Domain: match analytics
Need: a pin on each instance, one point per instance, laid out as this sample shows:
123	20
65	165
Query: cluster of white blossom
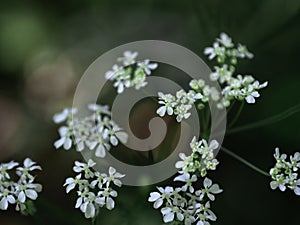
224	49
285	173
239	87
178	105
184	204
20	192
94	189
94	132
131	73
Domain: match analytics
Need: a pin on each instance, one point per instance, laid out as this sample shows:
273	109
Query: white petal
22	197
250	99
70	187
207	182
213	144
110	204
158	203
274	185
154	196
122	136
11	199
169	217
60	117
59	142
297	191
31	194
100	151
68	144
90	211
3	204
170	111
161	111
113	140
78	203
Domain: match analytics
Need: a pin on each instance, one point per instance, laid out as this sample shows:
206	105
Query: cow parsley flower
94	132
284	174
179	105
186	204
128	58
132	73
94	189
20	192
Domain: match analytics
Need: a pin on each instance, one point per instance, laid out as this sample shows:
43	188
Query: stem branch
237	157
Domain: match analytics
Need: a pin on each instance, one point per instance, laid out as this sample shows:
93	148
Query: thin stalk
244	161
267	121
237	114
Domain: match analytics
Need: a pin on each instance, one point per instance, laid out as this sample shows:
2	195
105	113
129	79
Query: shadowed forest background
45	46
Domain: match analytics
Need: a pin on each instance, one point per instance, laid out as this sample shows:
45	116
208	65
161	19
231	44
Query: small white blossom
147	66
95	191
284	172
128	58
21	191
209	190
94	132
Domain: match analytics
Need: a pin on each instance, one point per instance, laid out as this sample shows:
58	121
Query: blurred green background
45	46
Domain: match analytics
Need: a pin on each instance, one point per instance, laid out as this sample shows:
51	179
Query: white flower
147	66
92	193
188	179
28	166
4	167
6	197
27	190
158	197
64	140
115	72
187	162
71	183
283	173
64	115
105	198
99	109
209	190
214	51
170	212
225	40
85	167
168	102
114	177
128	58
243	52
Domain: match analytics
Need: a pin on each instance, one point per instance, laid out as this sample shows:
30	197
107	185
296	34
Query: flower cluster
20	192
185	204
284	174
239	87
178	105
201	160
131	73
224	49
94	189
94	132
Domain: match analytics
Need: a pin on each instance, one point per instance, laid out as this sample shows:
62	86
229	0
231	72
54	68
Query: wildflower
94	132
284	174
96	190
128	58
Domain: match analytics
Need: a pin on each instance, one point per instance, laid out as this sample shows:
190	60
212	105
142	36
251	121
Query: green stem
237	114
237	157
270	120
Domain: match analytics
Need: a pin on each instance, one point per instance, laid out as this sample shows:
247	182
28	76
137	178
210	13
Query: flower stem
237	114
267	121
237	157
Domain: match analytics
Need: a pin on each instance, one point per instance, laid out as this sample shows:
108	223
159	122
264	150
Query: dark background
45	46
